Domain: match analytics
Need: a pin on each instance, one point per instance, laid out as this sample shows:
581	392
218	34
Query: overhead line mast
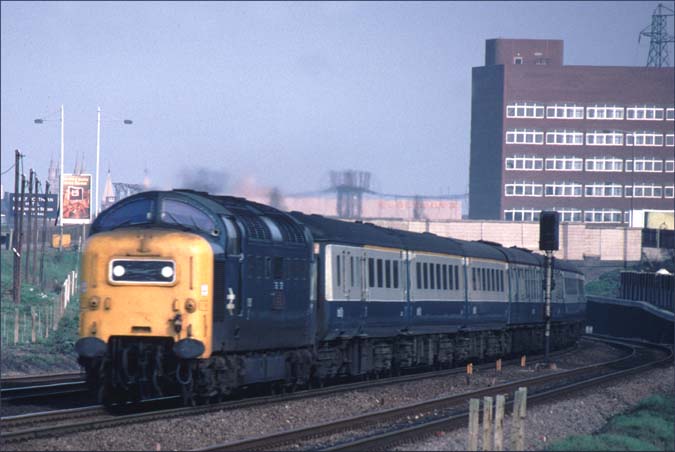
658	36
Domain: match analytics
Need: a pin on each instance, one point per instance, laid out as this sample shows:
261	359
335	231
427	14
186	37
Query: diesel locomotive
183	292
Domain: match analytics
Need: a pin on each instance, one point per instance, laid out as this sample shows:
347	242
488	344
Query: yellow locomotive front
145	310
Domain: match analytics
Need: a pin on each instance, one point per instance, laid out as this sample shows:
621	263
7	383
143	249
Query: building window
645	113
564	137
670	166
524	136
521	215
569	215
668	191
604	112
604	138
517	60
644	165
644	139
570	189
644	191
605	164
564	164
670	139
602	216
565	111
523	189
603	191
525	110
524	163
670	114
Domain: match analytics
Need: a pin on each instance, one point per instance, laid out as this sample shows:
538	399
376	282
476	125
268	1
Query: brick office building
592	142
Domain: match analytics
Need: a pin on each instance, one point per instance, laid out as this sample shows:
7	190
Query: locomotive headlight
190	305
118	271
167	272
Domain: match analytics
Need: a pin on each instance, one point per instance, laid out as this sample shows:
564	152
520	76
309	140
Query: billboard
76	199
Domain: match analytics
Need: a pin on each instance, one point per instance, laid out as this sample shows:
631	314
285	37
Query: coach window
371	272
473	278
338	276
351	270
426	275
431	276
379	273
450	282
445	277
418	274
438	276
387	274
395	271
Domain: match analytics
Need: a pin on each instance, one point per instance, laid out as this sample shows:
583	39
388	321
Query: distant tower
658	36
53	176
276	198
108	198
418	208
146	179
76	169
350	186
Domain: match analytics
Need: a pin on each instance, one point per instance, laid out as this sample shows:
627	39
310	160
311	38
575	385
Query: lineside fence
26	324
493	423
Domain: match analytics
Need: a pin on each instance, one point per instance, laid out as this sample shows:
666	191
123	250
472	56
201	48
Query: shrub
601	442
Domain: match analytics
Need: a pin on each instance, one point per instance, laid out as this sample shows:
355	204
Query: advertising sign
41	204
76	199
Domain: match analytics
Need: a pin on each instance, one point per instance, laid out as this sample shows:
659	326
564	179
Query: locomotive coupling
90	347
188	348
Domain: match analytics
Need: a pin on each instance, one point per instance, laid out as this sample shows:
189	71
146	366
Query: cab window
178	212
128	214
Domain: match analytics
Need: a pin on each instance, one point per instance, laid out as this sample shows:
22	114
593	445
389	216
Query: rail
438	414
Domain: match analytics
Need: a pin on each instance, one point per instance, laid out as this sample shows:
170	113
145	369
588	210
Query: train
189	294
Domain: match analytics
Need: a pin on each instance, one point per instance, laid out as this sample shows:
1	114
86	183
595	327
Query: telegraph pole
29	234
16	274
44	239
36	232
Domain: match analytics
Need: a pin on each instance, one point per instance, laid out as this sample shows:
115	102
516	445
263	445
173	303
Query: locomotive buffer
548	242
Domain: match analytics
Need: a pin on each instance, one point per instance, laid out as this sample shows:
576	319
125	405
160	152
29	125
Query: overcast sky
275	94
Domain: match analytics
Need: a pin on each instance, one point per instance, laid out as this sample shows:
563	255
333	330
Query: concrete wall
577	241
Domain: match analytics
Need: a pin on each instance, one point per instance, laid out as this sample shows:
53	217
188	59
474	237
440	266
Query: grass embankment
648	426
53	350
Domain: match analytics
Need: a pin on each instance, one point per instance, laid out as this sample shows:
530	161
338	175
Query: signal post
548	242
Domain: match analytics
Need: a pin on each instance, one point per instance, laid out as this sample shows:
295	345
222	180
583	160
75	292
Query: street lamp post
41	121
98	155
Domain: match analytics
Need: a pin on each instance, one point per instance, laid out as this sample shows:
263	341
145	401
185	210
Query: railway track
39	386
58	422
387	428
